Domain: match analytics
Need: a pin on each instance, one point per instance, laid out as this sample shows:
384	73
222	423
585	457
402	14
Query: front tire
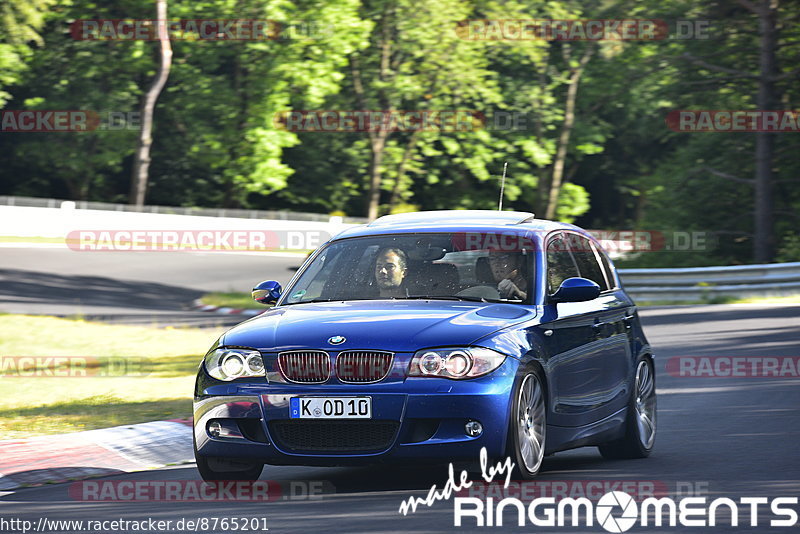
528	425
640	427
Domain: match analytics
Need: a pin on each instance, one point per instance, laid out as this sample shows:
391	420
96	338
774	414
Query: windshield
490	267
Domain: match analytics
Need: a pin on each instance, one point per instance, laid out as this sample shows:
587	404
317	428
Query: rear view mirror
267	292
425	250
576	290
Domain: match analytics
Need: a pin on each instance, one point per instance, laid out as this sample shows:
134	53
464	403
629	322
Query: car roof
456	221
475	216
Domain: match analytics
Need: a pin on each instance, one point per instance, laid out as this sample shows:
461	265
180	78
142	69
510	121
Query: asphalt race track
131	287
718	437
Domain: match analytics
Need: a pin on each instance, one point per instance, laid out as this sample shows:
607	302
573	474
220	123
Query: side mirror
576	290
267	292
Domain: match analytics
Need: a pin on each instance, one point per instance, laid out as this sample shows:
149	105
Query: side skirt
561	438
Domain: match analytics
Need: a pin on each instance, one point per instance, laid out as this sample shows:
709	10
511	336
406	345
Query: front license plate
330	408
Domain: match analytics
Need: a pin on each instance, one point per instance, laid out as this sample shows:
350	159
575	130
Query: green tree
415	61
224	98
20	22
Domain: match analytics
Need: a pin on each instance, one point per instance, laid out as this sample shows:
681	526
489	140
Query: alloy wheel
531	423
645	404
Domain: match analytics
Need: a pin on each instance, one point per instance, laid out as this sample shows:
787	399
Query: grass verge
791	299
29	239
60	375
231	300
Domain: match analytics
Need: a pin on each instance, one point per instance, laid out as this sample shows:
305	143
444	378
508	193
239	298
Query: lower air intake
334	436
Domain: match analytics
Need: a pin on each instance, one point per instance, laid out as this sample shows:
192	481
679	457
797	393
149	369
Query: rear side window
560	264
583	251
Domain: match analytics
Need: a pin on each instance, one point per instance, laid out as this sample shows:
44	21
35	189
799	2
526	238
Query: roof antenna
502	187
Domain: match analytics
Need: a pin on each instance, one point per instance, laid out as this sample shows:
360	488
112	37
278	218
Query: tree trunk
641	202
764	245
141	161
554	184
377	144
231	198
401	170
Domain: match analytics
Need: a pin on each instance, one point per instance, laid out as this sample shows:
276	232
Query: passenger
507	270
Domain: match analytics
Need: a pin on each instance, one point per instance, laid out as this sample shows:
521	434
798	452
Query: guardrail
42	222
279	215
708	283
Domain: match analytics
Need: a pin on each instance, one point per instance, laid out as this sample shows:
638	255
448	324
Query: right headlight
230	364
456	362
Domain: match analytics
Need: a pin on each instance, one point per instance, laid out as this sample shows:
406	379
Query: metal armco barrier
34	202
704	283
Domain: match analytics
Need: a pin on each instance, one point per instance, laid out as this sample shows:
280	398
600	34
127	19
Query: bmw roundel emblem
336	340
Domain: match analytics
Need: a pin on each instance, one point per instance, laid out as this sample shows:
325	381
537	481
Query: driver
391	266
507	270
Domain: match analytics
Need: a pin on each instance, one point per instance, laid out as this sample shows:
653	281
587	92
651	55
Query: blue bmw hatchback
427	337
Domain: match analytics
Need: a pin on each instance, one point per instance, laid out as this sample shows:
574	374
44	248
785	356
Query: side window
588	266
560	264
607	268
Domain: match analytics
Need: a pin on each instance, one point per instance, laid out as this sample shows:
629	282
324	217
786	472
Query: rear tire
216	469
640	425
527	425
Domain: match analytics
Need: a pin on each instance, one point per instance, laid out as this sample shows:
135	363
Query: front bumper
427	416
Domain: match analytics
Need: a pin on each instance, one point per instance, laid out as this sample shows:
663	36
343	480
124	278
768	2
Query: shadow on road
659	316
18	286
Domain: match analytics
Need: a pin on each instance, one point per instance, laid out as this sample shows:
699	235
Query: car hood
397	325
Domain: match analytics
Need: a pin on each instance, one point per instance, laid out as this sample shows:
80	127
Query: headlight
455	362
230	364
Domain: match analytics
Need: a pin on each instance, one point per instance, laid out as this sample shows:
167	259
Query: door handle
600	331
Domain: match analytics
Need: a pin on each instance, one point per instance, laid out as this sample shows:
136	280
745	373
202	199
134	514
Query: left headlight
230	364
459	362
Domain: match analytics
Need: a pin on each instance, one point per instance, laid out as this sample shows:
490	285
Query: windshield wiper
447	297
319	300
413	297
312	300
